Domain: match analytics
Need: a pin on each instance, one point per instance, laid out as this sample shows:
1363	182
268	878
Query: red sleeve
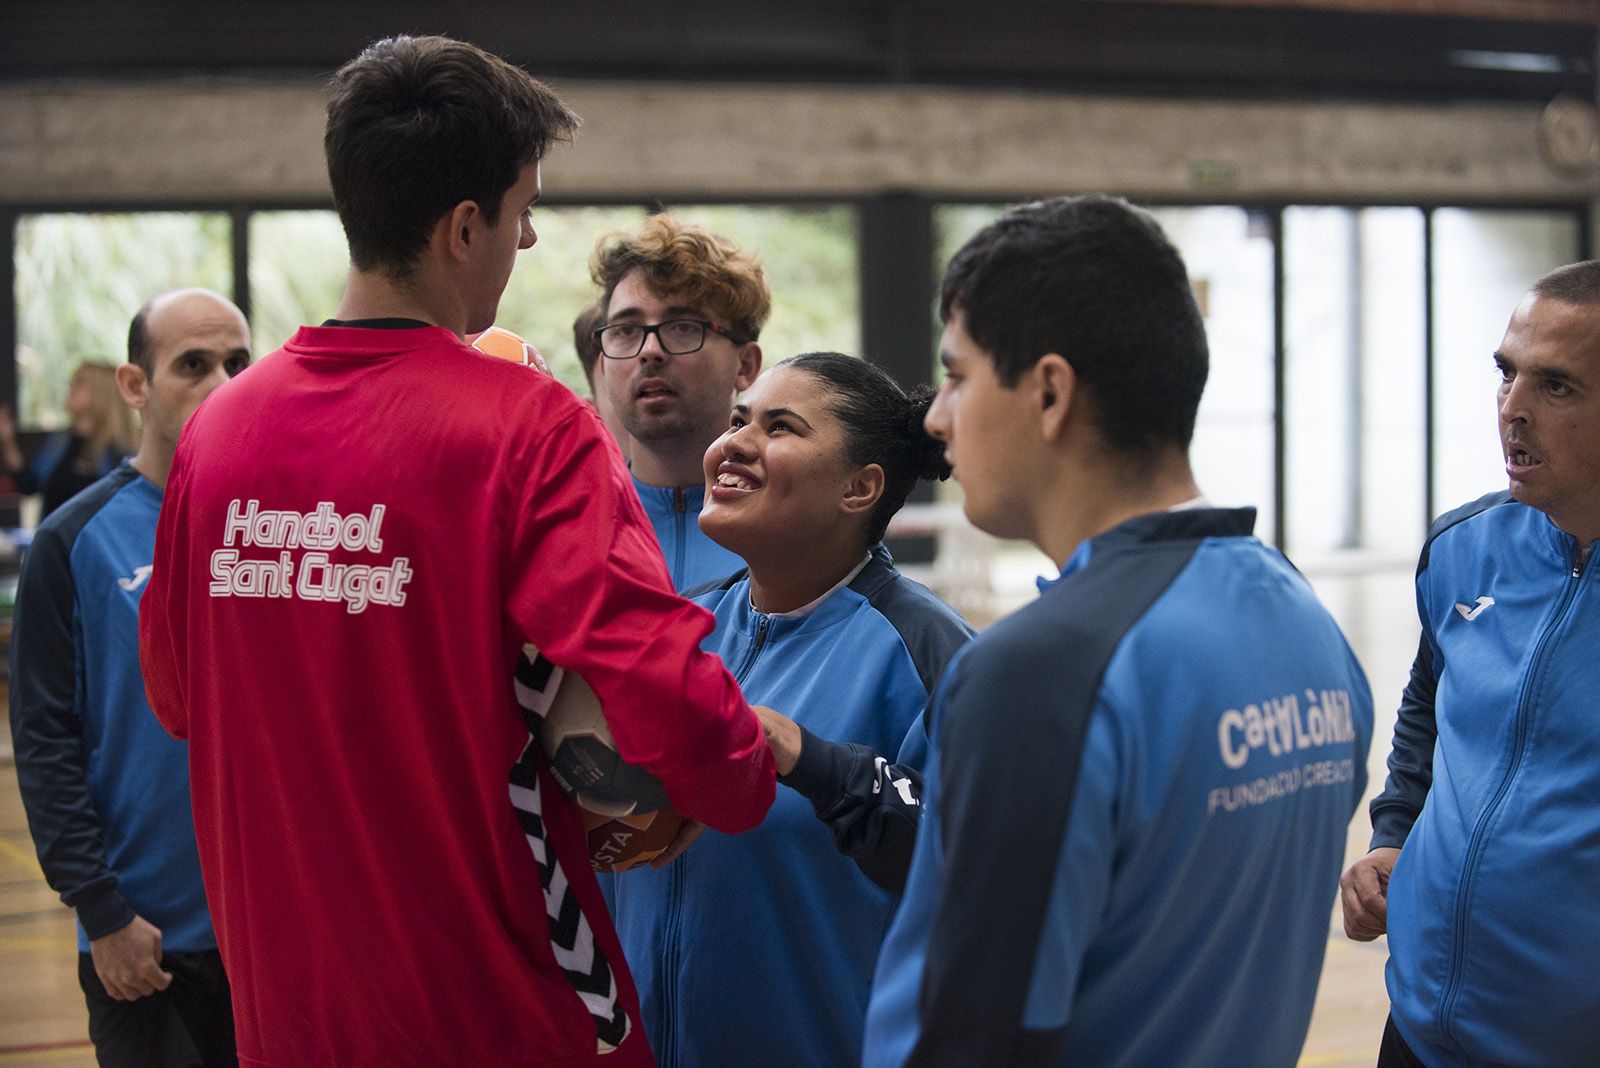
159	610
580	541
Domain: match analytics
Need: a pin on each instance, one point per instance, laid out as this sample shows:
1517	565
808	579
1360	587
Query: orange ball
617	843
496	341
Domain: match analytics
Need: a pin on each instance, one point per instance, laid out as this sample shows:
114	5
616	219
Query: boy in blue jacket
1137	790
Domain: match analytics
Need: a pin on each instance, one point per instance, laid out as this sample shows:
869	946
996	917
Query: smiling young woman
778	923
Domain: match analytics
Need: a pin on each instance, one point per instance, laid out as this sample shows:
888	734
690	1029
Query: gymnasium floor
42	1019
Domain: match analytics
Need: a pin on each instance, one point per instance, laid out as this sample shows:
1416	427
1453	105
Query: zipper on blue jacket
680	506
669	974
755	650
1452	988
669	977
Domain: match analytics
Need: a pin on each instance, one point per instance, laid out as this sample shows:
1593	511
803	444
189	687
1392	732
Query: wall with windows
1356	262
79	277
298	263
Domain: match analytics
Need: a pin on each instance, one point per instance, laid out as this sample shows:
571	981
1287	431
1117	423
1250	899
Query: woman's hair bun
930	462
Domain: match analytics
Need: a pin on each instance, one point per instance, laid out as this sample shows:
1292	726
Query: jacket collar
1184	524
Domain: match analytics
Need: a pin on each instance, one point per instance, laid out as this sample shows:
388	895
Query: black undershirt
391	323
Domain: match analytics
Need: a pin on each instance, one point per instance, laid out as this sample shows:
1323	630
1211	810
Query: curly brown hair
708	271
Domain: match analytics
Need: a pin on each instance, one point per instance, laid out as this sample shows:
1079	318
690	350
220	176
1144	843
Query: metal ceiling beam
1580	12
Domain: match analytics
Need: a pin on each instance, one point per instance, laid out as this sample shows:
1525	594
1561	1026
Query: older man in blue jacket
1486	839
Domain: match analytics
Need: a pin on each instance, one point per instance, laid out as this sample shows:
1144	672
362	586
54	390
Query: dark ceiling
1103	46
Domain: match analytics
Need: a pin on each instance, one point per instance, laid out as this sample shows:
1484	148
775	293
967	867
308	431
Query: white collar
806	609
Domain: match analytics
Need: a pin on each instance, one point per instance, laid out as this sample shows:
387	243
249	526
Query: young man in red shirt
359	536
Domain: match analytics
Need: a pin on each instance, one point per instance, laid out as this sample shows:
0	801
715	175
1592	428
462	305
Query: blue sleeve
1411	757
1416	729
872	807
1012	726
47	733
989	914
1081	886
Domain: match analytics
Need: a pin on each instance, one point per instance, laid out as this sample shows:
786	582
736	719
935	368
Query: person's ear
1055	384
749	366
862	490
134	386
457	230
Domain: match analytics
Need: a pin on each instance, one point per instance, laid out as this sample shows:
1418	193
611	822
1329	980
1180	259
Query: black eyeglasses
678	337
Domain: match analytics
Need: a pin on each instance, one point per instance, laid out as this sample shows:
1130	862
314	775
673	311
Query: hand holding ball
625	810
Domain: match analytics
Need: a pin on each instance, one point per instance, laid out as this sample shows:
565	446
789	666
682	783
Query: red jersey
359	534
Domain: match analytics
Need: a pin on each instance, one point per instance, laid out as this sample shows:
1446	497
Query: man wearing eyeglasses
683	309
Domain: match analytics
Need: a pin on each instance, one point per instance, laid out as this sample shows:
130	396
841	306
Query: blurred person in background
100	433
587	342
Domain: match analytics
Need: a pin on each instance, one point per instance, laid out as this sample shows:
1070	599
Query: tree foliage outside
811	258
298	264
550	284
953	224
81	278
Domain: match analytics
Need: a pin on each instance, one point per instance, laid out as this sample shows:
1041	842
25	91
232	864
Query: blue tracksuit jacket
759	948
692	558
106	789
1134	816
1494	793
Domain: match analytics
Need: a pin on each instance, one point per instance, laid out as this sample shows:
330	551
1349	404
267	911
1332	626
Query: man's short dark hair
139	338
416	125
1095	280
592	318
1576	283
